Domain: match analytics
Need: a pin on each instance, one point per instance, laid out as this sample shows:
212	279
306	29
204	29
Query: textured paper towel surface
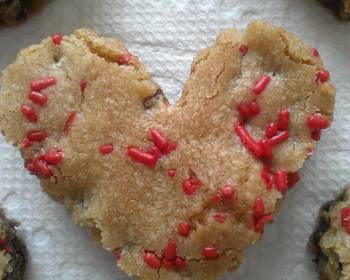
166	35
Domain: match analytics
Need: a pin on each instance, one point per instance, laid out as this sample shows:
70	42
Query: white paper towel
166	35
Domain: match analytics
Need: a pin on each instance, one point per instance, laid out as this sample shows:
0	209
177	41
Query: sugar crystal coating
127	198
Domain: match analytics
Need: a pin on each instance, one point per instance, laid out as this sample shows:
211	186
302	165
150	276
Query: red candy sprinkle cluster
322	76
57	38
261	84
190	185
69	123
106	149
124	59
210	253
248	110
315	52
168	260
316	123
184	229
345	219
259	216
162	146
243	49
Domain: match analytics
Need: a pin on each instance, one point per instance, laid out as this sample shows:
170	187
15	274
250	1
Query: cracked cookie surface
12	251
177	192
331	239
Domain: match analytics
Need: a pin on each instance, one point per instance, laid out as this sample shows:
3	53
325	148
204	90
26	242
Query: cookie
15	11
12	251
341	8
331	239
177	192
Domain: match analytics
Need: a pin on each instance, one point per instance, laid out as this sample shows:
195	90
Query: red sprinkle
41	168
244	110
156	152
106	149
283	119
266	176
180	263
26	143
167	264
280	178
248	110
210	253
259	208
69	123
216	198
28	164
158	139
152	260
261	84
53	156
38	98
345	219
124	59
266	148
271	130
117	254
142	157
56	38
189	186
30	113
243	49
322	76
254	108
228	192
82	85
247	140
169	148
37	136
316	135
171	172
170	250
293	178
315	52
220	217
38	85
184	229
279	138
317	122
259	224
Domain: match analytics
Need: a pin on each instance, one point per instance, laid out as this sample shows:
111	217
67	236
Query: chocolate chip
154	99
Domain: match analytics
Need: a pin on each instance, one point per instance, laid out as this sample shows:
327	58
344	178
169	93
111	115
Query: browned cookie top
12	251
178	192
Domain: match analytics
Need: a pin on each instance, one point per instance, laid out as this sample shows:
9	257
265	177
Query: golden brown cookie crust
330	240
12	251
137	208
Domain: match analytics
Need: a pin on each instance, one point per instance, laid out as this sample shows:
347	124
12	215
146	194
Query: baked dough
177	192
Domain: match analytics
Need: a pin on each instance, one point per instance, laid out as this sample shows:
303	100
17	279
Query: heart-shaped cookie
177	192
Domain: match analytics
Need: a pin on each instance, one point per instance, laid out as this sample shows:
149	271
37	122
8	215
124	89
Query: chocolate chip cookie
331	239
15	11
177	192
340	7
12	251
